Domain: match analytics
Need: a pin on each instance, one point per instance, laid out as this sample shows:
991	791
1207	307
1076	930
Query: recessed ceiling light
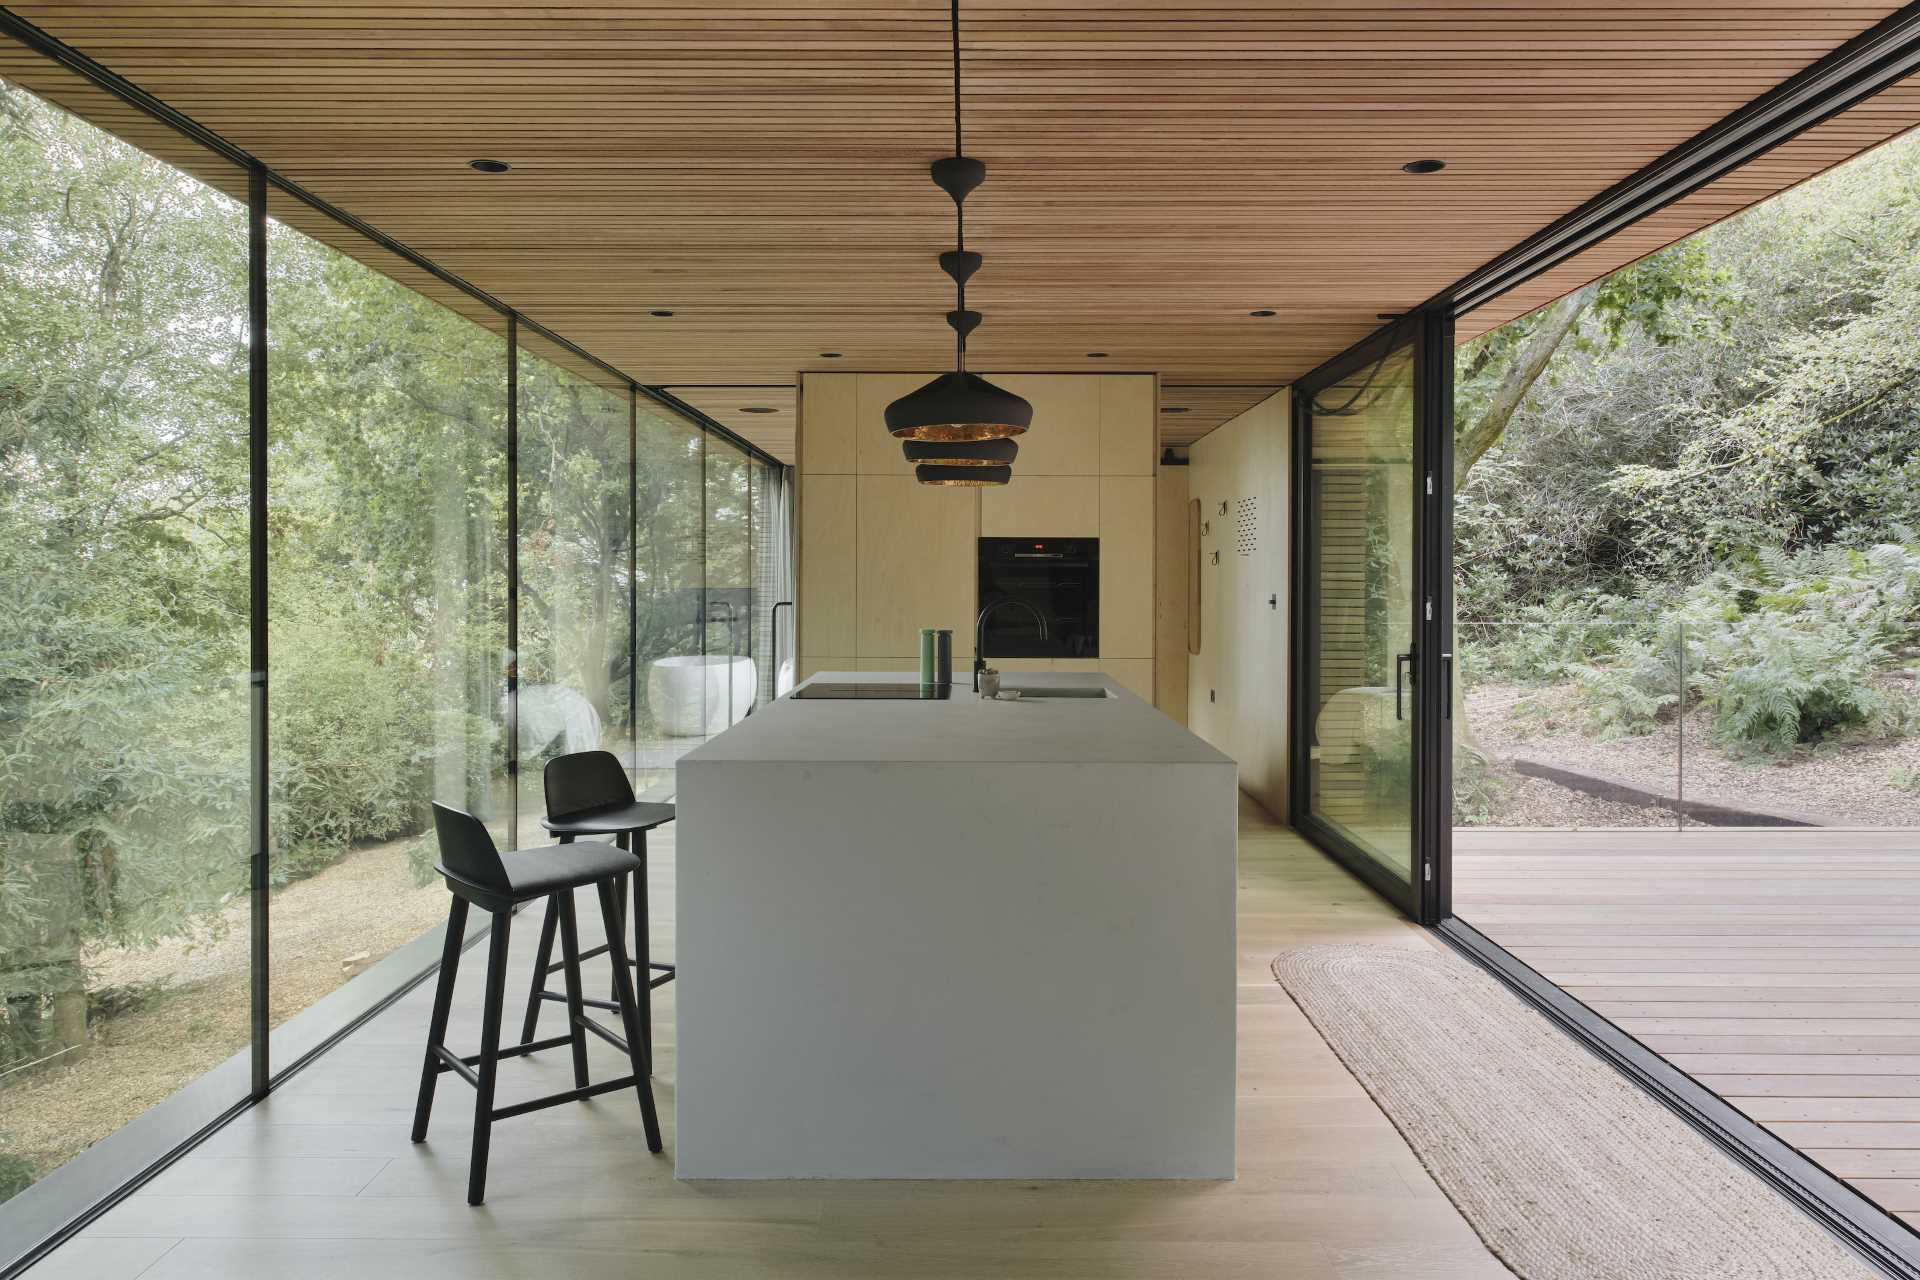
1096	355
756	408
1423	166
829	355
662	314
488	166
1173	408
1263	313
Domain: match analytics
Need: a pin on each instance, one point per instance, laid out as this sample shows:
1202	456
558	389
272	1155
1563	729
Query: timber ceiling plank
1156	170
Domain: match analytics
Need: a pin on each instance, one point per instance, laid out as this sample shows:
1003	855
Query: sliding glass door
1369	661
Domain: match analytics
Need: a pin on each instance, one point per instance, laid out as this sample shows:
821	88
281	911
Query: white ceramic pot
698	695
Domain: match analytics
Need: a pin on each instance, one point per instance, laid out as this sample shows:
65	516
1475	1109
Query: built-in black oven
1058	582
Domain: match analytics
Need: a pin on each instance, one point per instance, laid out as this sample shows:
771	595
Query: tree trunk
1523	370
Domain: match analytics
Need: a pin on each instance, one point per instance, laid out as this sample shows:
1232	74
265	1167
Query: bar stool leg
576	1010
643	952
489	1056
629	1015
442	1006
619	899
540	965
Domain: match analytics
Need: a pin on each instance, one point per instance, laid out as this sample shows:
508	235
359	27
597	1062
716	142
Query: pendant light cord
959	206
957	148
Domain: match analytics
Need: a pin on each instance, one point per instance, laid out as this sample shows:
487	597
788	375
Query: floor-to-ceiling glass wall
728	638
368	450
771	520
572	660
386	563
124	631
669	583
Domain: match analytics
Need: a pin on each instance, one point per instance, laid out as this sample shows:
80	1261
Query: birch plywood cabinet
881	556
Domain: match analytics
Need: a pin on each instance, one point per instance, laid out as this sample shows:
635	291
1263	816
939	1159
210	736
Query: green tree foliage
1740	462
123	546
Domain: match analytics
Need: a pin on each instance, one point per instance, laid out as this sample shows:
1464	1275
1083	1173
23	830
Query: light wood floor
320	1180
1781	969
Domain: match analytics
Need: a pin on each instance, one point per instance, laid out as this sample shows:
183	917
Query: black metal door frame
1429	333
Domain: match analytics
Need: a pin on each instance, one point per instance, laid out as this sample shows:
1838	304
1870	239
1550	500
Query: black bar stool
476	874
588	795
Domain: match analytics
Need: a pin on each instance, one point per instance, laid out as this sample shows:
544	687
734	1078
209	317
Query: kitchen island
956	939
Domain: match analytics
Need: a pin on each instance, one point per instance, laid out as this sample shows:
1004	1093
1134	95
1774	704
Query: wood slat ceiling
1156	170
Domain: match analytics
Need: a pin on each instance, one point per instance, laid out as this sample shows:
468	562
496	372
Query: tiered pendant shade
961	477
959	406
962	453
957	429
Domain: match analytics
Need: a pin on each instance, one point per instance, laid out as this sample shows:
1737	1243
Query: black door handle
773	627
1400	664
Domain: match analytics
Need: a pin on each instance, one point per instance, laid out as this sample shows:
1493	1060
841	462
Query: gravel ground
193	1015
1847	784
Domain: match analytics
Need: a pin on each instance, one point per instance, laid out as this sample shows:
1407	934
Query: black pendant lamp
961	477
963	453
959	408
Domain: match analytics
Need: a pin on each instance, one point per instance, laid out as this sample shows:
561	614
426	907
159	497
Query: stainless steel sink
1056	691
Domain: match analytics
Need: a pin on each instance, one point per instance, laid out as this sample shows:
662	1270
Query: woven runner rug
1566	1170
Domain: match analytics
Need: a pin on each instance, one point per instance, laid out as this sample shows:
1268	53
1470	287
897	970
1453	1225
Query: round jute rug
1566	1170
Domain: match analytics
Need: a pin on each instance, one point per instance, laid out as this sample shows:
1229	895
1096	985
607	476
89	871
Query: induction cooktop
901	692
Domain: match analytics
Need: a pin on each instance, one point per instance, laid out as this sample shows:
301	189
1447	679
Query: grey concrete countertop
1117	729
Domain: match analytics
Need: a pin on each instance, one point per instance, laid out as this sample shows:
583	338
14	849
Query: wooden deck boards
1779	968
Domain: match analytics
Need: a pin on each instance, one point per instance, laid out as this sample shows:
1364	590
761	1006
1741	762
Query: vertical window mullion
513	578
258	872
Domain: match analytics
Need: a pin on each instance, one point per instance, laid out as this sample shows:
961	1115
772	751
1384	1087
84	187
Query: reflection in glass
575	527
387	602
1361	670
669	580
728	639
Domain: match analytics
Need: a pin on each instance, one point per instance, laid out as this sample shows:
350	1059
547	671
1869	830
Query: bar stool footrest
571	1095
609	1005
617	1041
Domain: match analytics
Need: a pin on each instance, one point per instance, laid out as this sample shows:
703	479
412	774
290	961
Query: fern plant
1774	685
1630	693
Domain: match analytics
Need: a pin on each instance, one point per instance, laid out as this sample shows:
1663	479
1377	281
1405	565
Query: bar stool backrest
585	781
467	851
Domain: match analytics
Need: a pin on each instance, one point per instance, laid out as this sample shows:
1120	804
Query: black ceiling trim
1852	73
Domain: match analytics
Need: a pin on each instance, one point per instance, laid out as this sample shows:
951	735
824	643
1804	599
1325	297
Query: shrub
1791	647
1628	695
16	1175
1773	685
1478	791
353	734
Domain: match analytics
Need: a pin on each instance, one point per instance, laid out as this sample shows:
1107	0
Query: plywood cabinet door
915	553
825	608
875	452
1065	439
1126	567
1041	507
827	417
1127	424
